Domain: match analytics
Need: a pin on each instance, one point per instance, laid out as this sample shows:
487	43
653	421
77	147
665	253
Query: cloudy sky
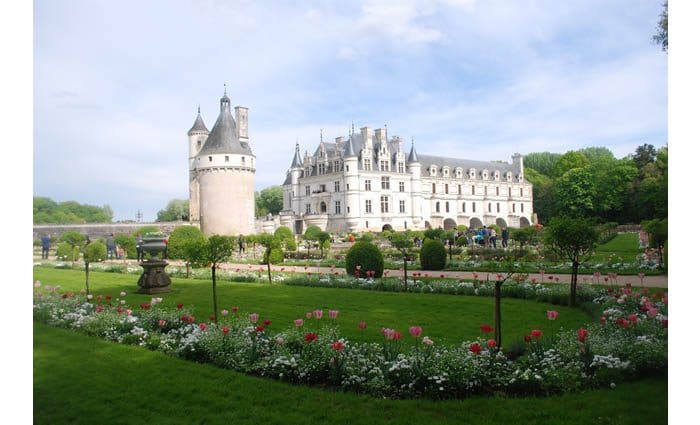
117	84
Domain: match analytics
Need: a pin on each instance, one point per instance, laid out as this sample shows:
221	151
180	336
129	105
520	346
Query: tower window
209	159
437	207
447	207
473	206
401	186
243	160
226	158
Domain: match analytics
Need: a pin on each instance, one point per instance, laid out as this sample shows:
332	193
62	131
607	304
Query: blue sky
117	84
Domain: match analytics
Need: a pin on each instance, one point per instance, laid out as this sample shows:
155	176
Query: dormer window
520	177
445	171
433	170
496	175
210	159
485	175
458	173
226	158
472	173
509	176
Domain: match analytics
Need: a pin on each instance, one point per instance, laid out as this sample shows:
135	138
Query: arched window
437	206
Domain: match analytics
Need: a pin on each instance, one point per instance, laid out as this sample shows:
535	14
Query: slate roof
198	125
222	138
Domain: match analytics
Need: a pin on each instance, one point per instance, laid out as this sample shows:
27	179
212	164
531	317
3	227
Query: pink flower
161	323
362	325
333	314
37	284
203	326
427	341
254	317
224	312
536	333
632	318
128	312
122	294
552	314
338	346
299	322
309	315
99	308
225	330
279	340
582	334
491	343
652	312
415	331
318	314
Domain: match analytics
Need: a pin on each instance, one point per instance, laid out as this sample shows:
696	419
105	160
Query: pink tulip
552	314
254	317
299	322
309	315
427	341
224	313
318	314
333	314
415	331
362	325
128	312
161	323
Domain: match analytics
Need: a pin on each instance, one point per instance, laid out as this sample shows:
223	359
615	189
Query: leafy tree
570	161
145	230
403	242
176	210
661	37
75	240
658	232
433	255
284	233
179	238
210	253
269	200
597	155
364	257
437	234
524	236
573	239
48	211
128	243
541	162
65	251
312	233
574	192
543	199
93	252
612	183
643	155
270	243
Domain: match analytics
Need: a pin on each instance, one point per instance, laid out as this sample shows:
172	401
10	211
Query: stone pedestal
154	279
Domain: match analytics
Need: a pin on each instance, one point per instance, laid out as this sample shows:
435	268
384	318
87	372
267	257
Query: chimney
518	163
380	134
242	123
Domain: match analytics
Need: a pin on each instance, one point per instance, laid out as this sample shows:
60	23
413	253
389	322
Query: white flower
37	284
122	302
89	296
122	294
612	385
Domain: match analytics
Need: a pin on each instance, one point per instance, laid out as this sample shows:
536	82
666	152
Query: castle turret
225	170
416	186
197	135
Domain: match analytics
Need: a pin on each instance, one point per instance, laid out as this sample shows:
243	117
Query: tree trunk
213	286
405	273
574	276
87	275
187	268
269	273
497	313
660	247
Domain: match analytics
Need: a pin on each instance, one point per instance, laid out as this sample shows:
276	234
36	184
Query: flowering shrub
396	366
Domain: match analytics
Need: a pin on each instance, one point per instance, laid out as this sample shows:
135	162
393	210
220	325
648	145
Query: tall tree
176	210
574	193
543	199
210	253
643	155
570	161
403	242
269	200
661	37
542	162
48	211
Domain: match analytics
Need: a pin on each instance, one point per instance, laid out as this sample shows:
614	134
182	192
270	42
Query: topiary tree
67	252
290	245
433	255
462	241
574	239
364	257
210	253
75	240
271	244
404	243
284	233
179	238
312	233
658	233
437	234
93	252
323	239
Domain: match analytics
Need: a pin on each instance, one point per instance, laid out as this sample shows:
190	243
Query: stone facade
222	173
368	183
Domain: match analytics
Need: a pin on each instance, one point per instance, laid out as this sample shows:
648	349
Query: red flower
487	329
528	338
179	306
475	348
338	346
99	308
582	334
362	325
442	276
536	333
603	319
632	318
225	330
259	328
145	306
623	322
108	297
203	326
665	323
234	309
310	337
267	322
212	318
119	309
491	343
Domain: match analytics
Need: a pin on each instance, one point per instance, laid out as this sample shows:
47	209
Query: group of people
485	237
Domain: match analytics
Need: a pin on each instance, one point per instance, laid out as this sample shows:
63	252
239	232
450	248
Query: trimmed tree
271	244
658	232
323	238
179	238
93	252
210	253
404	243
433	255
573	239
74	239
364	257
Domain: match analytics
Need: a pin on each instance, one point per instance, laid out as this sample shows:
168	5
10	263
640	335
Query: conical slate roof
412	157
349	149
296	162
222	138
198	125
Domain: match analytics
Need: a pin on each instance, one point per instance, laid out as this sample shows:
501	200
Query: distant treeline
48	211
591	182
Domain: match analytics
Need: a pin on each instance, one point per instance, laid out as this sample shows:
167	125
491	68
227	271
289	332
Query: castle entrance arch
387	227
475	223
501	223
449	224
524	222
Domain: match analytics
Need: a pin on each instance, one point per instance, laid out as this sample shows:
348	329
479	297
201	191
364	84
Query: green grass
84	380
445	318
625	245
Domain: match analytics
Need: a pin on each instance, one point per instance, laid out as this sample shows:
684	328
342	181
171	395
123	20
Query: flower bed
629	340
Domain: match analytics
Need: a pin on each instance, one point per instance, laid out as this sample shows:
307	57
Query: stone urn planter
154	279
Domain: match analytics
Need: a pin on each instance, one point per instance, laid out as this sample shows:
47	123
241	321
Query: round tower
225	171
416	187
352	180
197	135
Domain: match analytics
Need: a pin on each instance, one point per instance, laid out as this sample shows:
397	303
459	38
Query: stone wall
101	230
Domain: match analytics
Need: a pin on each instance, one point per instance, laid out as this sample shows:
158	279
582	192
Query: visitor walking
45	245
111	247
241	245
504	237
139	248
492	238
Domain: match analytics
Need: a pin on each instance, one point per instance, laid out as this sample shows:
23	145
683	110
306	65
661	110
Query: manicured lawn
625	245
445	318
84	380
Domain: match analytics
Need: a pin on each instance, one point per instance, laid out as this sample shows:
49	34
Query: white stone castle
222	170
368	183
